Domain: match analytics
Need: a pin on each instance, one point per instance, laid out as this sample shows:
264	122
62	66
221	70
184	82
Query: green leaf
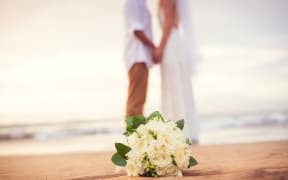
153	134
129	131
155	115
129	121
192	162
180	124
188	141
145	159
122	149
173	160
118	160
135	121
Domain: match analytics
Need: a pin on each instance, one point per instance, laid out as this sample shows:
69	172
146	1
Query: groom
138	55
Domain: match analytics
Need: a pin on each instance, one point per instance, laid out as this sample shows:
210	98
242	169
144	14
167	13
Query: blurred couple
175	54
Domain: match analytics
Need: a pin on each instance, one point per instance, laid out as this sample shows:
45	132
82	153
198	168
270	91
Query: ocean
100	135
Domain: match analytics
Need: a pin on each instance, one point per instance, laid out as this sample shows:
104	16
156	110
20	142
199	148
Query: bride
177	55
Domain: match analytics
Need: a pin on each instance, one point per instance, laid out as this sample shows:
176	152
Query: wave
68	129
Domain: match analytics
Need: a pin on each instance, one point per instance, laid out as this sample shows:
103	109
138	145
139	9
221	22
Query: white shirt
137	17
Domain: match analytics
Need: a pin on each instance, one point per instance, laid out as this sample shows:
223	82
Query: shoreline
267	160
105	142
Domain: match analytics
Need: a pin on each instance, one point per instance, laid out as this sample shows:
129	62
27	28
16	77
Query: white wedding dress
177	101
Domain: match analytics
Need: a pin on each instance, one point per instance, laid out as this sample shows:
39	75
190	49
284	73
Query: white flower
157	146
132	169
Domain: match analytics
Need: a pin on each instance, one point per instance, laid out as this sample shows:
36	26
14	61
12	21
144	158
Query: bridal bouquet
155	147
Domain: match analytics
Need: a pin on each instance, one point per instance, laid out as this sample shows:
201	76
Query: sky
62	59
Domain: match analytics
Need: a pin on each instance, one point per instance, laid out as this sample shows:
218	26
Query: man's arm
136	24
143	38
147	42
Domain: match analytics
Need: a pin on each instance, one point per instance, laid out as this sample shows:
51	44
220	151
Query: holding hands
157	52
157	55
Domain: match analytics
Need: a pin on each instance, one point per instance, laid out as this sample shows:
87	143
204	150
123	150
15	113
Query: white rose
159	141
132	169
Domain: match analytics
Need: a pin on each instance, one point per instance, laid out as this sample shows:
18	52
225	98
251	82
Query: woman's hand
158	55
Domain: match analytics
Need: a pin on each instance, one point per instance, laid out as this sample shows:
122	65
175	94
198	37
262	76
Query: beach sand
240	161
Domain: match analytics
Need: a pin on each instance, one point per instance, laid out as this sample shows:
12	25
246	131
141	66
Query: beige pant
137	89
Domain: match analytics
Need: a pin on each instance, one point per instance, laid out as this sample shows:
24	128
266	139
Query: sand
240	161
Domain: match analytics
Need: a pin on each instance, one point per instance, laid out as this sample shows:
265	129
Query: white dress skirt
177	101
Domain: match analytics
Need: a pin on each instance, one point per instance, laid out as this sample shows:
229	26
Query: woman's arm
169	14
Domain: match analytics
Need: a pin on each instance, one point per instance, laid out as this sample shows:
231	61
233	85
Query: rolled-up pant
137	89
